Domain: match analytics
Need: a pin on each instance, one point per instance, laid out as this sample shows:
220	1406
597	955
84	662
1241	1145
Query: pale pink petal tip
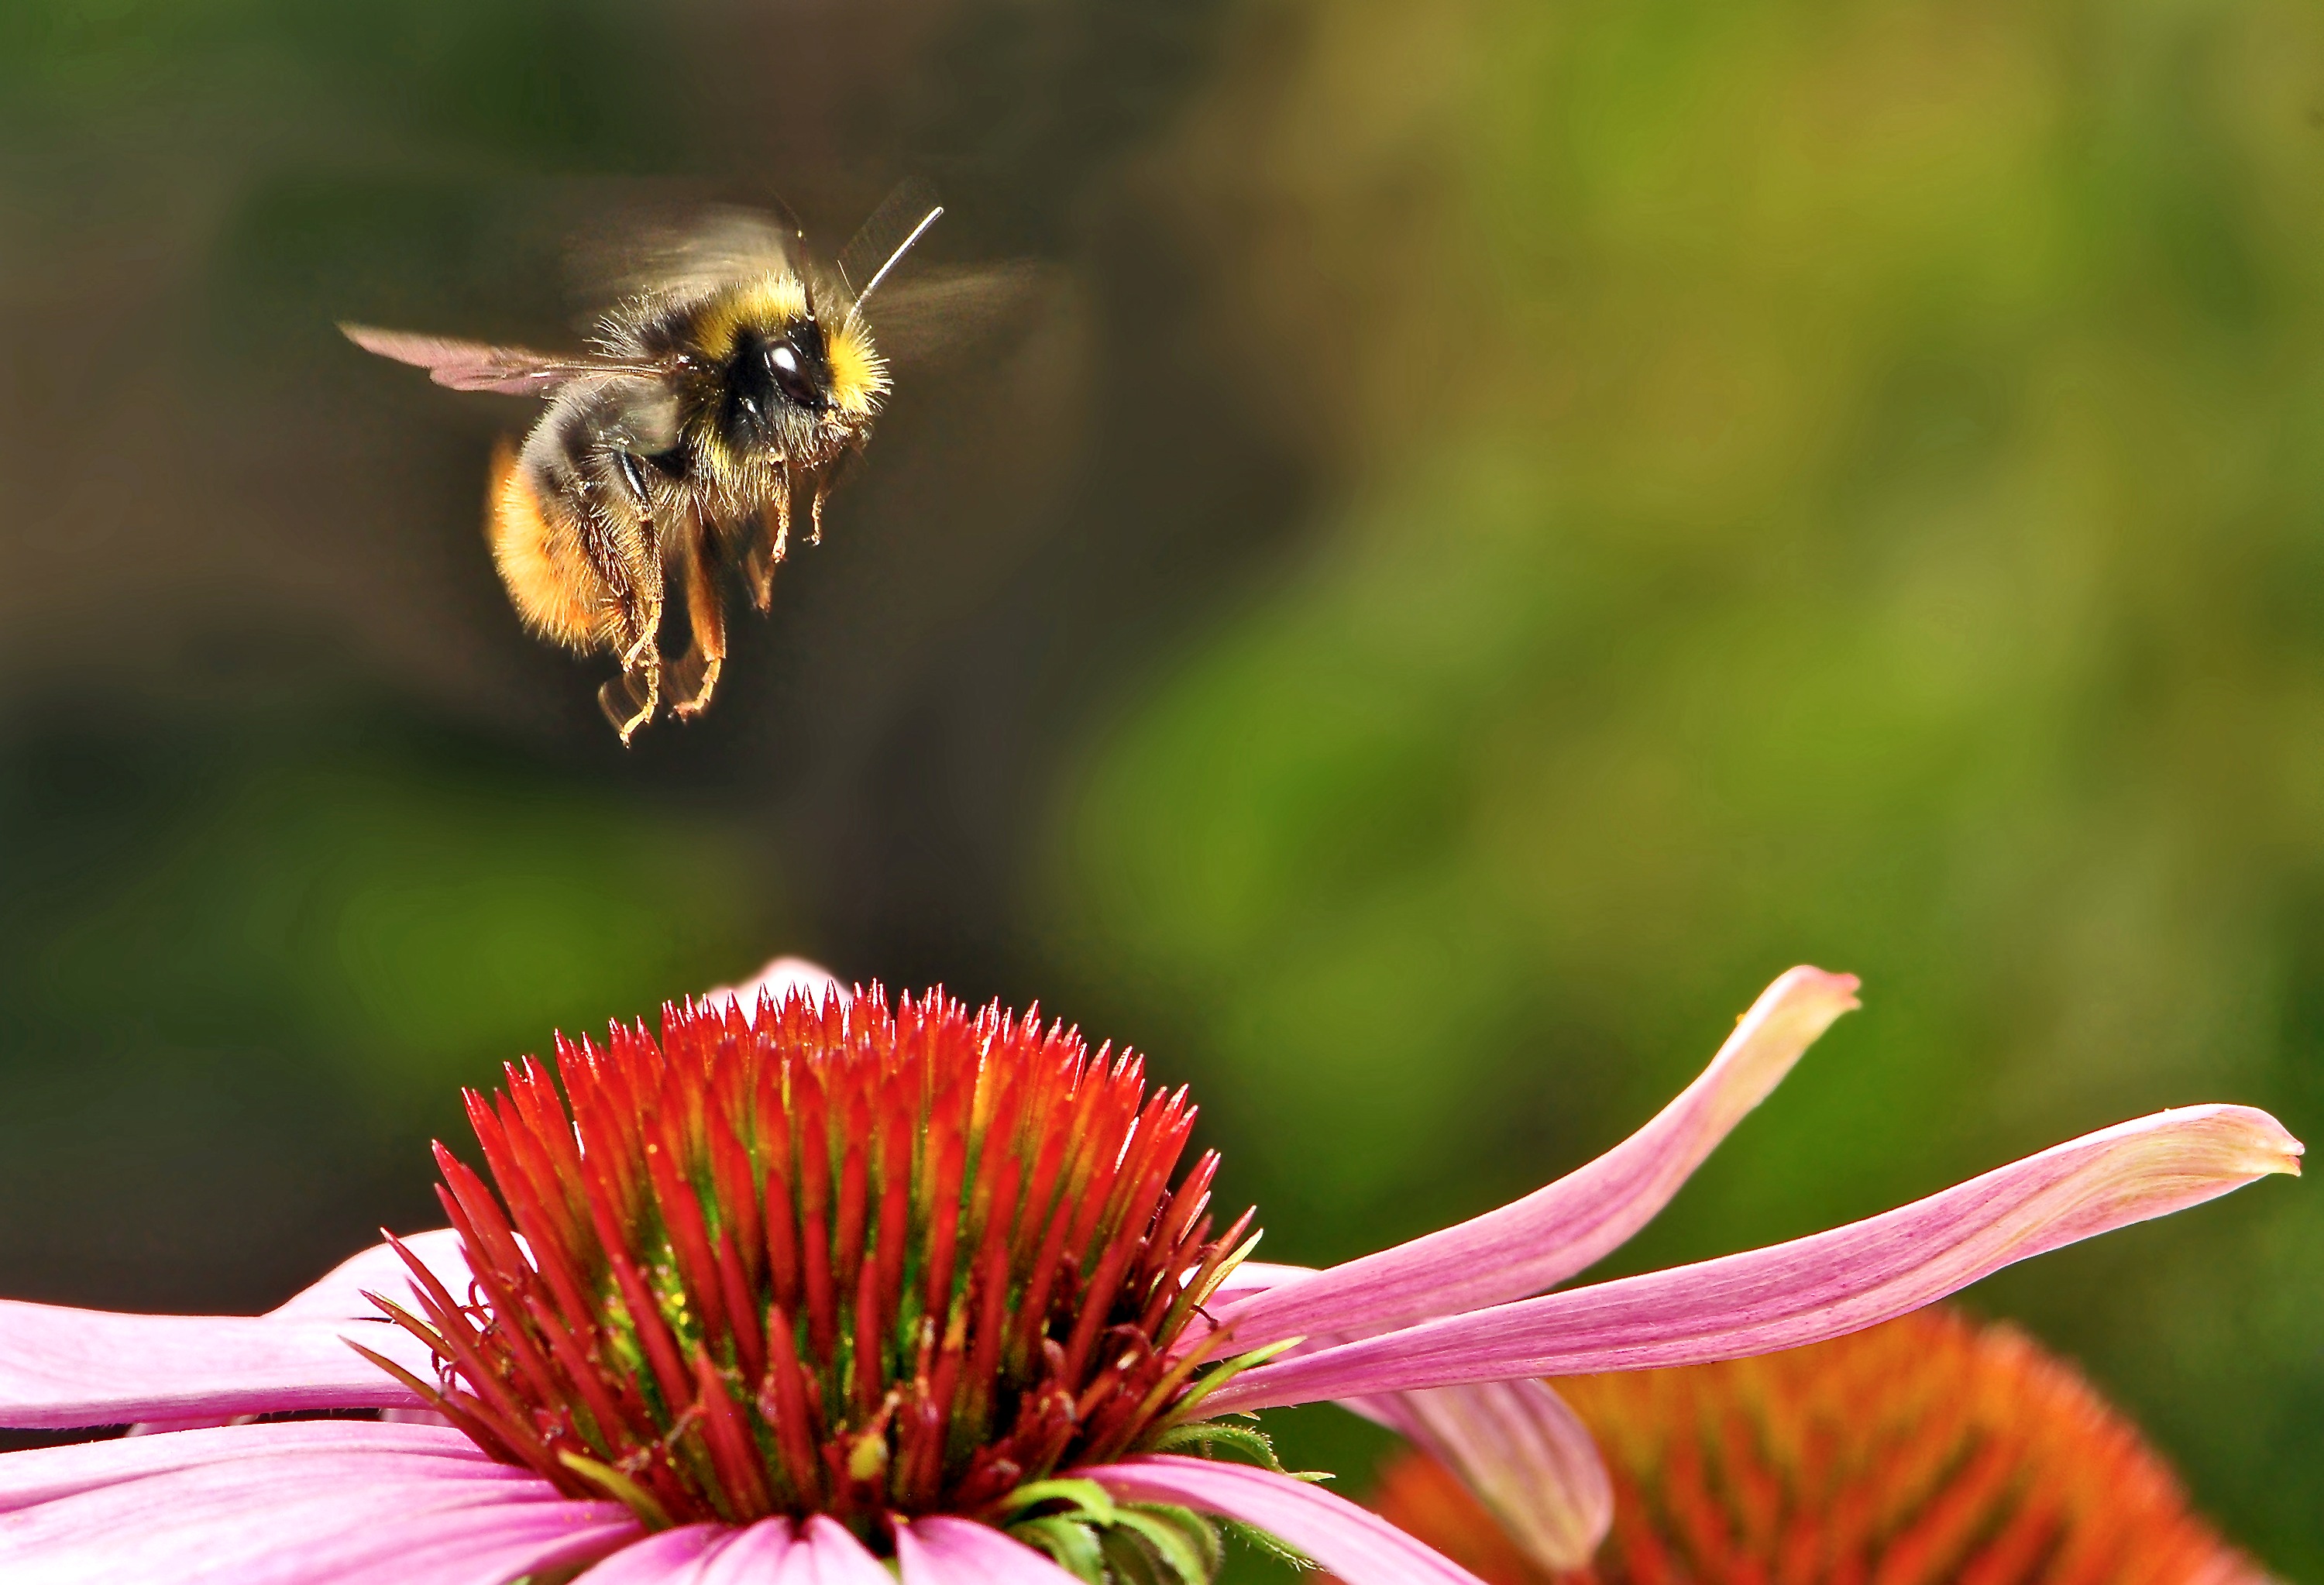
778	980
1539	1242
1814	995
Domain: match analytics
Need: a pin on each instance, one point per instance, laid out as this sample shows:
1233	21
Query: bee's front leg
706	613
771	543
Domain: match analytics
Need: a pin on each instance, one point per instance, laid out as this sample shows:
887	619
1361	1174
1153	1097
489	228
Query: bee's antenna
902	248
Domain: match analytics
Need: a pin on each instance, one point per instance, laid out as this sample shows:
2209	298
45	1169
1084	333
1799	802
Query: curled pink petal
338	1295
1811	1288
40	1475
961	1552
670	1557
1359	1546
1527	1456
1536	1243
296	1516
61	1368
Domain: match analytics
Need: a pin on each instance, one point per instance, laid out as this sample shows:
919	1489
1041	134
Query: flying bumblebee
732	378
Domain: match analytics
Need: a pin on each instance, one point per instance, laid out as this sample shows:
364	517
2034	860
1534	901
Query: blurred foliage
1834	483
310	942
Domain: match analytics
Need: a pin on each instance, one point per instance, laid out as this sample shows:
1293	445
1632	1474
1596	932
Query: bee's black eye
795	363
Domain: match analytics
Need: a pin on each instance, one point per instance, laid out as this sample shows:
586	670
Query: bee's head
786	377
795	370
797	366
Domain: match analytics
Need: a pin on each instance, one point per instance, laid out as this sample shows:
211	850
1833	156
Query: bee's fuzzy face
777	383
768	338
859	375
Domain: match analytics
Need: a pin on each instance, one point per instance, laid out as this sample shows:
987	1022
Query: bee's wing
713	247
952	306
894	226
472	366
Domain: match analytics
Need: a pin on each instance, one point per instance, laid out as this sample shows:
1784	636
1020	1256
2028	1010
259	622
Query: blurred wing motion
710	248
951	309
880	242
472	366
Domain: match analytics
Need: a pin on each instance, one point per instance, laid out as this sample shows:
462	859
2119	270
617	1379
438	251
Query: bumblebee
730	380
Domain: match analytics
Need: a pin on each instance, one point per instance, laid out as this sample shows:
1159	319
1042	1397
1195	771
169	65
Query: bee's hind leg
630	700
631	545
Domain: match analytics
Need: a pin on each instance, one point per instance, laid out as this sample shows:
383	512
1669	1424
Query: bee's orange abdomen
537	547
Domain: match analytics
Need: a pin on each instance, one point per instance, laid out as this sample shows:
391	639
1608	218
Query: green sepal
1183	1539
1266	1543
1208	1434
1071	1544
1103	1542
1090	1502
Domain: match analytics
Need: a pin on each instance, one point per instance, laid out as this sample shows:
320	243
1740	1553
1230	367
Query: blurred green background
1502	527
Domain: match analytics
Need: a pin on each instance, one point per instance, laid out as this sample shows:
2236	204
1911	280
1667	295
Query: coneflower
812	1284
1929	1450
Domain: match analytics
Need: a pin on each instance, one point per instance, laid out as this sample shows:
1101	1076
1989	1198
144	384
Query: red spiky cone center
1930	1449
831	1258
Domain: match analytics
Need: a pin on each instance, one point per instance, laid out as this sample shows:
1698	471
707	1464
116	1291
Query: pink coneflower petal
752	1555
1814	1288
61	1368
959	1552
298	1515
490	1547
831	1556
673	1557
344	1294
1354	1543
1524	1453
1554	1233
40	1475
